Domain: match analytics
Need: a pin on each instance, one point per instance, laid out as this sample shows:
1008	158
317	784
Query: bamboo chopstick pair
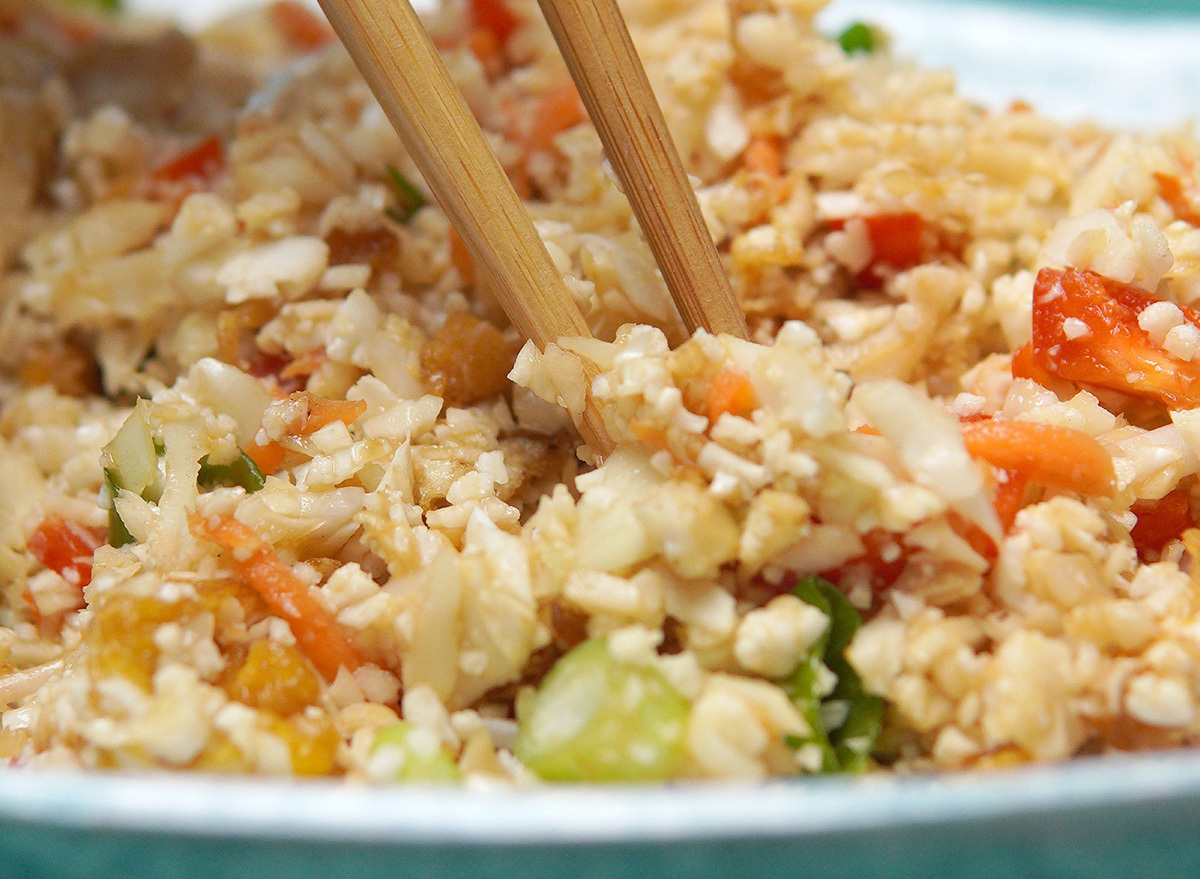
402	67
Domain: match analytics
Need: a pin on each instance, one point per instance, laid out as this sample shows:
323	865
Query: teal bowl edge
1139	8
1124	817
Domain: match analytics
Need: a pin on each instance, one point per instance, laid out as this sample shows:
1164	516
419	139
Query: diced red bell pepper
1106	347
66	548
896	238
199	162
303	29
1161	521
897	241
494	16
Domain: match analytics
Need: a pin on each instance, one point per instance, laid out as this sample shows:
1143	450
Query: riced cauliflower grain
288	494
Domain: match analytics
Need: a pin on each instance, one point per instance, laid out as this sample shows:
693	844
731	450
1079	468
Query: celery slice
596	718
419	758
118	534
131	462
130	459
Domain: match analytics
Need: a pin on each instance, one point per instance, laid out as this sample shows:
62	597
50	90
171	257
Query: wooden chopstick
401	65
599	52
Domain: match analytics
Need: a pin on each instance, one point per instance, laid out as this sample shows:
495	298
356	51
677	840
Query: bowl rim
333	812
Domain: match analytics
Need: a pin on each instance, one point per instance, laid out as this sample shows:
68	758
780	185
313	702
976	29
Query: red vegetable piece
494	16
1103	345
896	238
1175	195
66	548
1161	521
303	29
897	241
199	162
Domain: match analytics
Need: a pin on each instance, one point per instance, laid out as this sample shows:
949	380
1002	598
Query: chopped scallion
409	199
241	471
844	719
859	37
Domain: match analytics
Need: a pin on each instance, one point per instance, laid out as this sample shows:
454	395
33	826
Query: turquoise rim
1140	8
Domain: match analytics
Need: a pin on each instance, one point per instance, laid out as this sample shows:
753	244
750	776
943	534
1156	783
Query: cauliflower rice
286	494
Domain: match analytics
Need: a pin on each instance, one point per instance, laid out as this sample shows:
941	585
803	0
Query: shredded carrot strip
315	629
494	16
653	436
764	155
1172	191
486	46
305	365
303	29
976	537
200	161
322	412
1043	453
730	391
267	458
558	109
461	259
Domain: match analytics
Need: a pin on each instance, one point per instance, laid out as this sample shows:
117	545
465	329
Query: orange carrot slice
322	411
315	629
201	161
558	109
1172	190
730	391
267	458
764	155
303	29
494	16
1043	453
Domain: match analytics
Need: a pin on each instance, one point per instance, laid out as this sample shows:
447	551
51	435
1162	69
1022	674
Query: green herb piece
597	718
409	199
859	37
417	754
242	471
109	7
132	462
118	534
845	720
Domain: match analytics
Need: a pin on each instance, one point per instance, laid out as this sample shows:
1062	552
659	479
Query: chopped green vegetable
242	471
409	199
107	6
597	718
844	719
132	461
118	534
418	756
859	37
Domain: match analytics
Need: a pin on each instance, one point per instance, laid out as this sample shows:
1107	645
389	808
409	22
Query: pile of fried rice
284	492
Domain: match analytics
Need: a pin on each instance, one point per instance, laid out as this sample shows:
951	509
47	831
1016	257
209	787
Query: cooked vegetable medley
285	493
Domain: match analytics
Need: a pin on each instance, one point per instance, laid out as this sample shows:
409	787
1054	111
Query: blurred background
1128	63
